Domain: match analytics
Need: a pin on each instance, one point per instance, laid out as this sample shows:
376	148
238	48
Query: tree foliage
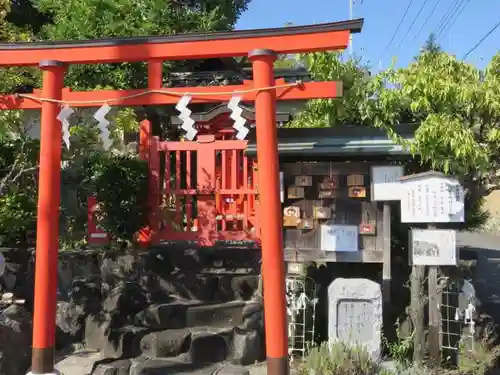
456	105
431	45
120	184
122	18
18	167
116	178
356	81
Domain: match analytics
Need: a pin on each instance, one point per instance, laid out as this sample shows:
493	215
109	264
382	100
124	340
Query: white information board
433	247
385	182
432	199
341	238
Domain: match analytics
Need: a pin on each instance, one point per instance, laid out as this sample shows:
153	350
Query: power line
457	16
481	40
397	29
412	23
446	16
427	19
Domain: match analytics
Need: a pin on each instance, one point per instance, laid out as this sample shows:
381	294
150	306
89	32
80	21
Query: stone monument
355	314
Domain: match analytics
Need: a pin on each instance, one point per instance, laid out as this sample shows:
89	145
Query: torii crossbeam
262	47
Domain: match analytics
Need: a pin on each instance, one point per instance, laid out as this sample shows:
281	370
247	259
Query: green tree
87	19
357	88
90	19
18	167
456	105
18	153
431	45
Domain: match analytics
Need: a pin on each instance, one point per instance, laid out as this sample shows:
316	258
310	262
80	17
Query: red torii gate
261	46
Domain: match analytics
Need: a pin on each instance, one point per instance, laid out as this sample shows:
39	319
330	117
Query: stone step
207	332
201	344
216	315
204	345
101	333
172	366
163	316
181	314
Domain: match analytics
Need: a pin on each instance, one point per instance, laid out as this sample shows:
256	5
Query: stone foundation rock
15	341
168	343
70	323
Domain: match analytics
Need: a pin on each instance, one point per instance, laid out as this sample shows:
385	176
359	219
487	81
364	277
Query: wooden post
386	267
417	312
155	81
433	331
47	234
433	306
273	260
205	185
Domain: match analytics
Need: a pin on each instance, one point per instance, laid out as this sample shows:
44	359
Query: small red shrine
233	192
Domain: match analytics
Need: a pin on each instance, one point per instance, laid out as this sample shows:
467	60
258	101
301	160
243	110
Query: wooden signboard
327	194
295	192
341	238
433	247
306	223
385	184
367	228
291	216
431	197
357	192
303	180
320	212
355	180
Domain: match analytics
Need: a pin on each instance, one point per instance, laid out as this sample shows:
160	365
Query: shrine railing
207	191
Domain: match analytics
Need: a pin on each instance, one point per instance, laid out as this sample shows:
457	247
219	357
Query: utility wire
427	20
444	19
397	29
412	23
481	40
457	16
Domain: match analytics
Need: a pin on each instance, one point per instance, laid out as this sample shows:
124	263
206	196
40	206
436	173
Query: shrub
120	184
339	359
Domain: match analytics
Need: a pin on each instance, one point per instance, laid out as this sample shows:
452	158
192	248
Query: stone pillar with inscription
355	314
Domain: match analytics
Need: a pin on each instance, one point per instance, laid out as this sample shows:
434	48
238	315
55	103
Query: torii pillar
273	260
47	231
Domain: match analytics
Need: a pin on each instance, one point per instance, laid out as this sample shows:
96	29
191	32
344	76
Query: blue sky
381	19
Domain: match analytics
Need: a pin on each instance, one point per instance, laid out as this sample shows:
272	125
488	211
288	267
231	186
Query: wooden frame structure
261	46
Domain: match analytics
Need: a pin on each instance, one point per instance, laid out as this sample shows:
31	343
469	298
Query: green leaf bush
120	185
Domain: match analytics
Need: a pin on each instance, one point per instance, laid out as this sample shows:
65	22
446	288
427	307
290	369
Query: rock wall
166	302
